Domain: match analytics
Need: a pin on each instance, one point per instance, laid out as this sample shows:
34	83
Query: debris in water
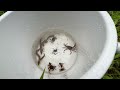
51	67
53	38
40	59
70	48
54	51
61	67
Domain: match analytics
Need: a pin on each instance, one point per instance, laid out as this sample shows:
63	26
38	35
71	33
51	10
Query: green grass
42	76
114	70
2	12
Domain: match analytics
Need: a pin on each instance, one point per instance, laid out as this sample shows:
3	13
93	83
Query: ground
114	70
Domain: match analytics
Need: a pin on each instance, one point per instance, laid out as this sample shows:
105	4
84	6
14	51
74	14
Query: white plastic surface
94	32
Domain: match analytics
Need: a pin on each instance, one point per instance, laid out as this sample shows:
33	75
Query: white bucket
94	32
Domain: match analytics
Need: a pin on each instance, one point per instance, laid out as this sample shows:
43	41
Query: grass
114	70
2	12
42	76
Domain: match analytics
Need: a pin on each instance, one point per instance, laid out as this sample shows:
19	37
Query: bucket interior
19	30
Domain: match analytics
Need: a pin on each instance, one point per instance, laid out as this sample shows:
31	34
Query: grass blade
42	74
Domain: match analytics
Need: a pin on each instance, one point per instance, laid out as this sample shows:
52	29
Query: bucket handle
118	47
